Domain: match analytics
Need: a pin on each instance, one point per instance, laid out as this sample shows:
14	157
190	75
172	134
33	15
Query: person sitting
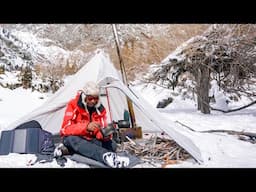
81	131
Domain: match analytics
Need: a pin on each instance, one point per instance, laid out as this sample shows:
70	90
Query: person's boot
115	161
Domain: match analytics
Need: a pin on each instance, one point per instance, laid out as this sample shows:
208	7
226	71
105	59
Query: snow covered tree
26	77
224	52
2	69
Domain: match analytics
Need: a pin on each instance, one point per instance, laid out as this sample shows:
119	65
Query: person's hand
92	126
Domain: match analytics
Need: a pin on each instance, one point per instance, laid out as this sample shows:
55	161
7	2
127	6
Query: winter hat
91	88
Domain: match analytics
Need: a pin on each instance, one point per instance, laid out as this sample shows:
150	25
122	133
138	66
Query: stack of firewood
156	149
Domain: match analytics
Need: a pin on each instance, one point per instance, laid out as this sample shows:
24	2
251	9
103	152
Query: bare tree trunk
199	100
203	89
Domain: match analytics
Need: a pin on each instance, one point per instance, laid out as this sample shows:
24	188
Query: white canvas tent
101	70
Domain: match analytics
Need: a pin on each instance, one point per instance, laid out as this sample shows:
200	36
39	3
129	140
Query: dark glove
104	133
107	131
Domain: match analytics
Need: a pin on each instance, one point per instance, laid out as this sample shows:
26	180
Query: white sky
219	149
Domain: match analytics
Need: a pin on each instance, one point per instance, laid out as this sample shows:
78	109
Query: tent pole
124	78
110	113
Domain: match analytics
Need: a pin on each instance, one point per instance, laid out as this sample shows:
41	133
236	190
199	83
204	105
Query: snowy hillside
45	58
20	48
14	53
140	43
100	33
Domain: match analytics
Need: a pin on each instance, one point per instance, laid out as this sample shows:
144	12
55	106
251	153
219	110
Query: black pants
93	149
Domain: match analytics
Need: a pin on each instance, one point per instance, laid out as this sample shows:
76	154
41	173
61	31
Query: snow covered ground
218	149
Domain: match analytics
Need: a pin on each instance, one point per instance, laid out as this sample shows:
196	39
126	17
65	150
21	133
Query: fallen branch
248	134
237	109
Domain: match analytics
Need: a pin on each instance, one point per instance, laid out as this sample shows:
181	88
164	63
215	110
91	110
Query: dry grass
137	55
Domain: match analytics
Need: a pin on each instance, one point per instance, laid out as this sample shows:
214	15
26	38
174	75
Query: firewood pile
156	150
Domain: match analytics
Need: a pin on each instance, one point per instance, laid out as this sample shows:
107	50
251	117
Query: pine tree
26	77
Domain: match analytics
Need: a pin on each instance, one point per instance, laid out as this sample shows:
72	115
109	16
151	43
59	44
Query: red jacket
77	118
